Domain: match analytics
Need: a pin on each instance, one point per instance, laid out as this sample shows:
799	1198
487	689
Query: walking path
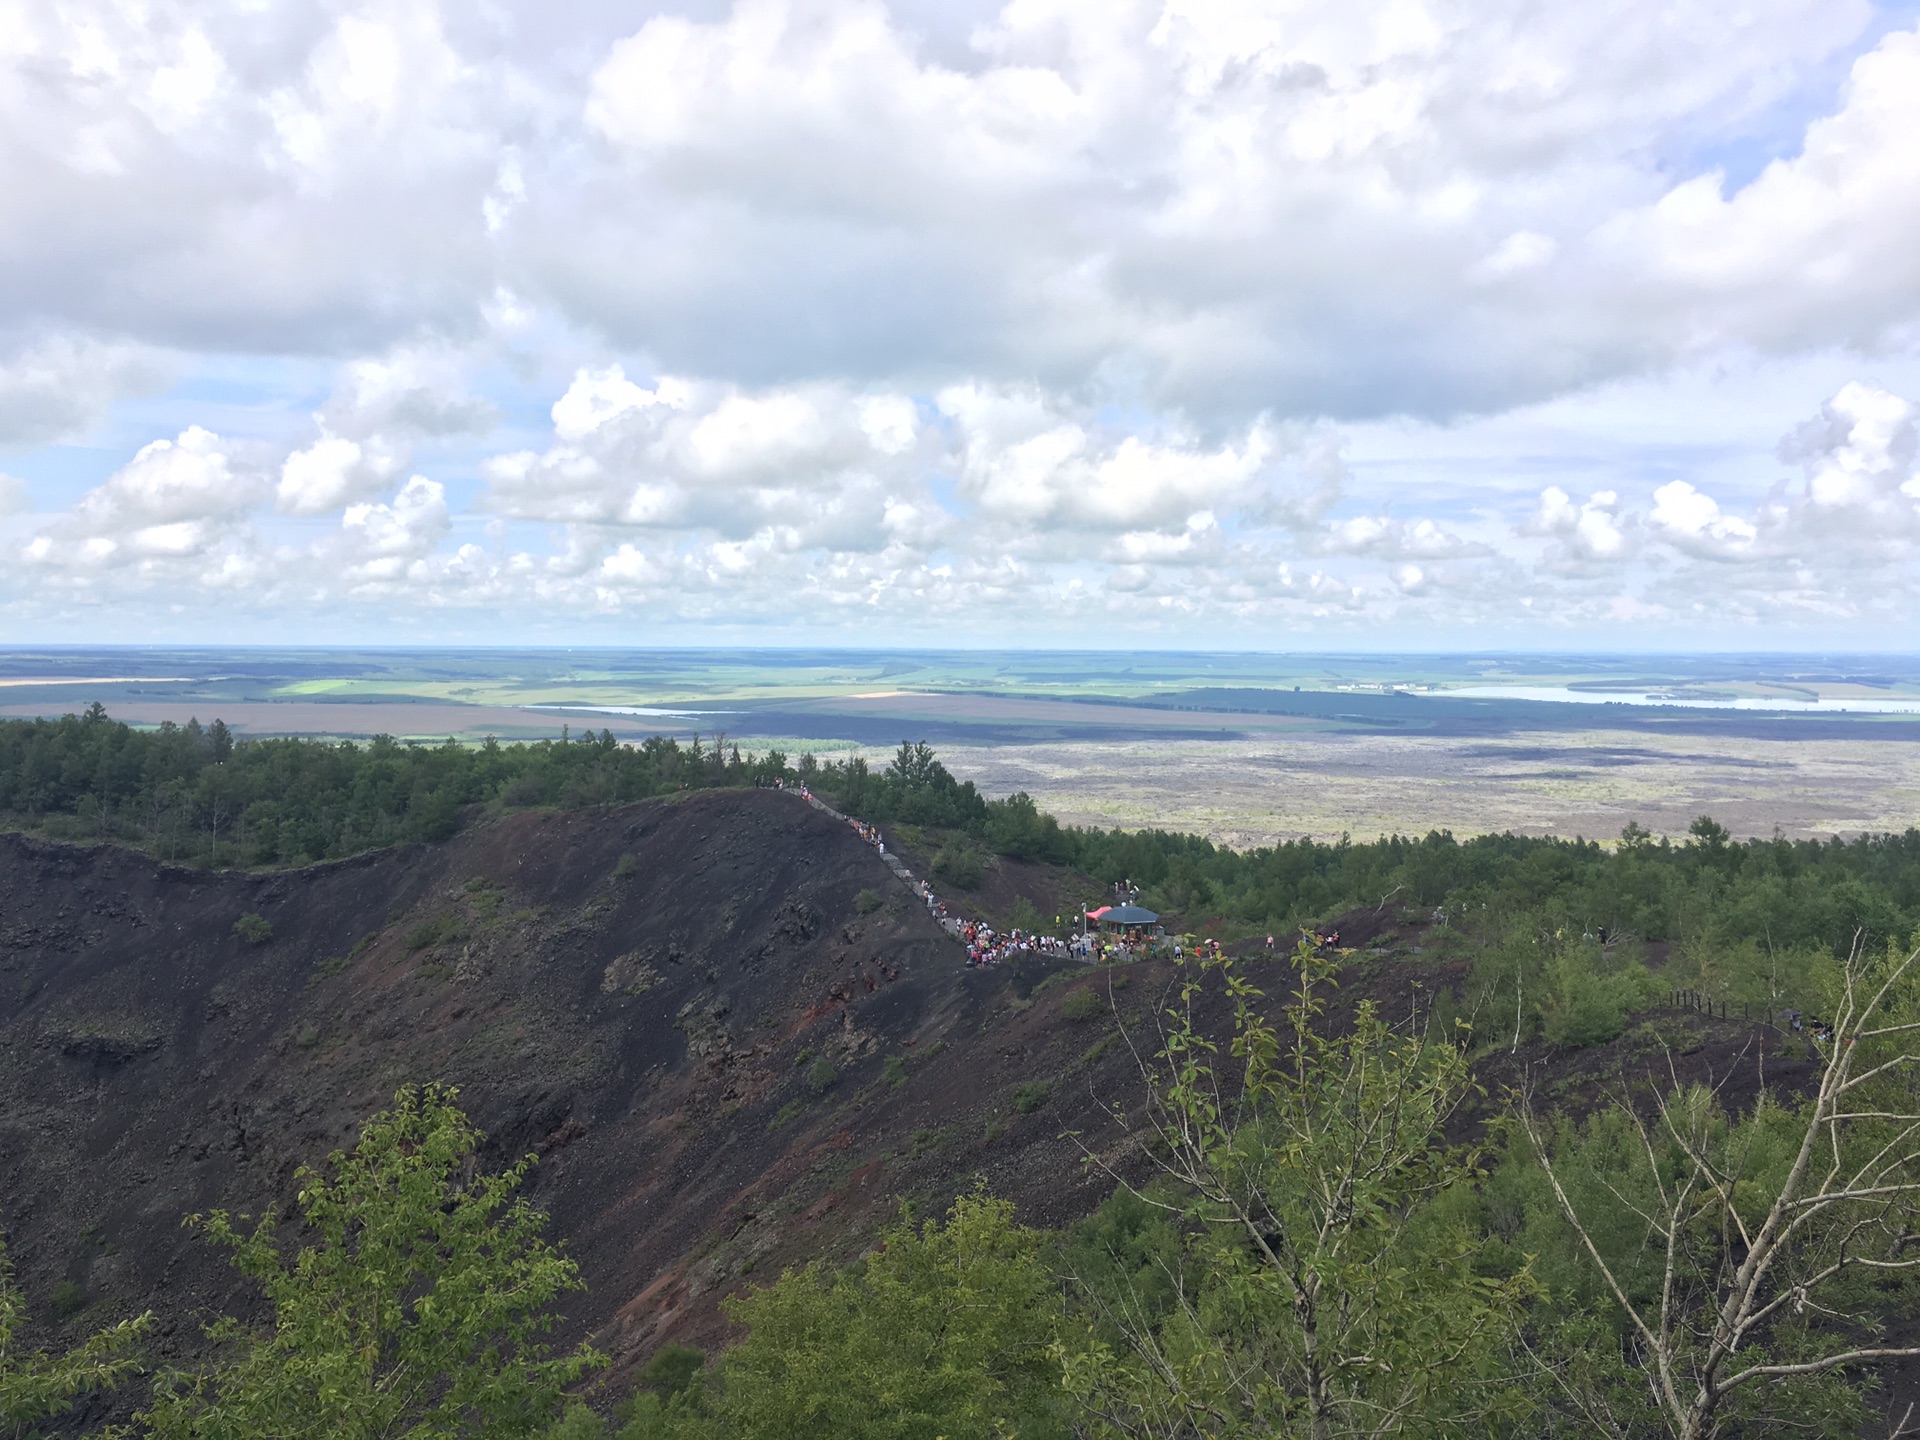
985	945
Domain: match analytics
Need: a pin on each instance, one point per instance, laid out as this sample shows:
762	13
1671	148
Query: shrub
1083	1004
1024	917
671	1369
894	1072
867	901
1030	1096
253	928
785	1115
821	1076
958	863
623	867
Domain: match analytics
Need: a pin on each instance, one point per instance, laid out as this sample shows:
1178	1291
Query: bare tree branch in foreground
1751	1238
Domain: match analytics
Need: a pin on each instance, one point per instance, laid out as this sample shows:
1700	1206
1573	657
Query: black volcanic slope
645	1024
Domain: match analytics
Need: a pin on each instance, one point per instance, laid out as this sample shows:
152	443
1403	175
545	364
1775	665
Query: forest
196	795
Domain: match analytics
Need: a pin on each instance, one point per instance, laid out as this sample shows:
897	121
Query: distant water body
1568	695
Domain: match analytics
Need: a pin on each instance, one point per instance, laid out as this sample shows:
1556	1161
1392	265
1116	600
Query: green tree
1730	1245
958	862
942	1332
35	1385
418	1312
1332	1290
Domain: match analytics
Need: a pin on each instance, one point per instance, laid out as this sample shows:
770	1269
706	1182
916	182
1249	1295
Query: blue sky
833	321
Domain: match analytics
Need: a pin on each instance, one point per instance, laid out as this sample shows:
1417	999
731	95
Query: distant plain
1244	748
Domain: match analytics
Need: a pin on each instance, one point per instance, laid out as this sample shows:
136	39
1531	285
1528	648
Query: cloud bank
1043	320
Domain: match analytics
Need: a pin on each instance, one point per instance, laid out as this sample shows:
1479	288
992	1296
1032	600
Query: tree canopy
417	1307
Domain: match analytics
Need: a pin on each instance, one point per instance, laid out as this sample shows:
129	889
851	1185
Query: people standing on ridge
985	945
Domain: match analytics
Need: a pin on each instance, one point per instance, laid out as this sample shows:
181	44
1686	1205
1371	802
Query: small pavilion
1130	922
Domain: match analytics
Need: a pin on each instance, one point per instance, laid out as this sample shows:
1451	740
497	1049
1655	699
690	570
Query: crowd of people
988	946
985	944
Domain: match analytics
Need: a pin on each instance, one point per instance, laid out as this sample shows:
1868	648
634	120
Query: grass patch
867	901
1031	1095
1059	977
69	1299
436	931
625	865
1083	1004
1099	1047
785	1115
894	1072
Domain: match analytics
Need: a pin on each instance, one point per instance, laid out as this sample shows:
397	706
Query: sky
1398	324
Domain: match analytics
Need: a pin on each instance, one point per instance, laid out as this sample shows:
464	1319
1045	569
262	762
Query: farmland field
1245	748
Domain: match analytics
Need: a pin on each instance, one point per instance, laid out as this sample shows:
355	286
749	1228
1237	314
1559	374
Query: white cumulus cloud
997	314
